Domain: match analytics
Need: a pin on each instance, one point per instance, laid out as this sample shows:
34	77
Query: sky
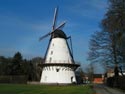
23	22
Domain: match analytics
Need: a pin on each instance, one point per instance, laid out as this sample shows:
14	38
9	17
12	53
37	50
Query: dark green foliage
17	57
17	66
79	76
15	79
118	82
37	69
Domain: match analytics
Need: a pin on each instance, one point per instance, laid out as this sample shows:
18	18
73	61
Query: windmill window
51	52
45	78
57	70
50	59
44	69
53	44
72	79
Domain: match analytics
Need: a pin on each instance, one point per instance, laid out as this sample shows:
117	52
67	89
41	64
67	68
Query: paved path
102	89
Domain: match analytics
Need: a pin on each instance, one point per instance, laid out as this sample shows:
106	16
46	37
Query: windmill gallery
59	65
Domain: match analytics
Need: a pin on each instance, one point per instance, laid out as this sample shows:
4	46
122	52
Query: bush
110	81
13	79
118	82
121	82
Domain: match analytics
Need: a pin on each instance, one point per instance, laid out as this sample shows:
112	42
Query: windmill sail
54	19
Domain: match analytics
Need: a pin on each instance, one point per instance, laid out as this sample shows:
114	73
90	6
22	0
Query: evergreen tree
16	64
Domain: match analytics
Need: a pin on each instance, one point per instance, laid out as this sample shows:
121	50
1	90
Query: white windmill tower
59	66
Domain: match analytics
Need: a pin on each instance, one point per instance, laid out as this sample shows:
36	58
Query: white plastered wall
58	52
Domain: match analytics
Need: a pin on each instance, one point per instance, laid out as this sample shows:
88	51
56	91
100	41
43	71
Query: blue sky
22	22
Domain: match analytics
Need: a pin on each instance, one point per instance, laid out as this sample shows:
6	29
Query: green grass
44	89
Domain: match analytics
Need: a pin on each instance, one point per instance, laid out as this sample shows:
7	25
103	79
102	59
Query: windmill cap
59	34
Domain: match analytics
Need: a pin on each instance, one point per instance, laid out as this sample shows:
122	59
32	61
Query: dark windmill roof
59	34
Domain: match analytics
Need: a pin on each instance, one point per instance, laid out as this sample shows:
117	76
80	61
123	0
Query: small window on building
57	70
50	59
45	79
51	52
72	79
53	44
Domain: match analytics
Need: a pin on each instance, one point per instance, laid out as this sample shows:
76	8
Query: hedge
13	79
118	82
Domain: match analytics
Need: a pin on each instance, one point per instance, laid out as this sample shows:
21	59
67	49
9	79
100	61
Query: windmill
59	66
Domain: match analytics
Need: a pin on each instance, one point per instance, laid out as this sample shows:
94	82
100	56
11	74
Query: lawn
42	89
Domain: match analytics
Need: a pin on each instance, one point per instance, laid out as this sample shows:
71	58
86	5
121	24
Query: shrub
13	79
118	82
